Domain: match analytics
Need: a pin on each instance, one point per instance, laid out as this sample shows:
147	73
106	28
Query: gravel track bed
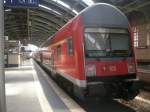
139	105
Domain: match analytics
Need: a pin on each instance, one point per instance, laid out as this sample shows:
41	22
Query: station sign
22	3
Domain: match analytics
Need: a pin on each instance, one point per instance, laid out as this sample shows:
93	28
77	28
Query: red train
93	54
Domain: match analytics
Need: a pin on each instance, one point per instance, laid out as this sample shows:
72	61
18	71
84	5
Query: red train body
94	53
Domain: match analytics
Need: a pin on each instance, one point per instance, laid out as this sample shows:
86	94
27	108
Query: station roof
36	25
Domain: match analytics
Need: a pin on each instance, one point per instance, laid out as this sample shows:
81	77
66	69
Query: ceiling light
7	10
88	2
74	11
48	8
65	5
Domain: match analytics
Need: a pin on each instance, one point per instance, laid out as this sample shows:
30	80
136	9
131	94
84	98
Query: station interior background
33	26
25	29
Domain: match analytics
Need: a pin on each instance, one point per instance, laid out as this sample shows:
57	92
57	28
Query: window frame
59	52
136	37
70	50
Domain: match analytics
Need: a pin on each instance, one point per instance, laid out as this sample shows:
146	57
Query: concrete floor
20	89
27	91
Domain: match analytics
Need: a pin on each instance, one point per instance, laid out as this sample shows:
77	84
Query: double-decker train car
93	54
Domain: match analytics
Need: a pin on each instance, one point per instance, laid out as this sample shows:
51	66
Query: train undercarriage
126	89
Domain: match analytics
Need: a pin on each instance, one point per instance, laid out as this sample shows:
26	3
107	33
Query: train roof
99	15
104	15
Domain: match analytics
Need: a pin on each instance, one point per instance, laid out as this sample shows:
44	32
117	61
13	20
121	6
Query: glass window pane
59	52
70	46
96	41
119	42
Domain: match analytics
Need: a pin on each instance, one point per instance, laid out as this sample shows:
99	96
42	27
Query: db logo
104	68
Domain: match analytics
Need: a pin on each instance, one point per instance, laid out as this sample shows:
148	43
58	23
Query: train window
69	46
97	41
136	38
119	41
52	59
107	42
59	52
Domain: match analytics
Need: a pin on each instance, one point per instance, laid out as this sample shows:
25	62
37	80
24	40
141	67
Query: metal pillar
2	74
29	25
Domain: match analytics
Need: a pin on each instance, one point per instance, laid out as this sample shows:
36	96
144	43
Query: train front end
110	66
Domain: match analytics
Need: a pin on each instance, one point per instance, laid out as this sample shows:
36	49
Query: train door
52	65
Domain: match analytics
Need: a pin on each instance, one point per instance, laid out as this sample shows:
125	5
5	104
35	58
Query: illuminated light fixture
7	10
45	7
65	5
88	2
75	11
90	70
62	3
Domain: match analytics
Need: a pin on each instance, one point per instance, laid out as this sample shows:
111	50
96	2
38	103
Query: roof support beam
136	7
50	17
37	28
40	25
59	8
44	24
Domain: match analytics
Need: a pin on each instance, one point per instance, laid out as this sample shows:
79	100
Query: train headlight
131	65
90	70
131	68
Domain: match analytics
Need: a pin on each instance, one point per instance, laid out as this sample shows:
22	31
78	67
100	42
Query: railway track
140	104
144	75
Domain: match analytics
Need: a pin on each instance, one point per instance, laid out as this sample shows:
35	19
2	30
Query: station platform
29	89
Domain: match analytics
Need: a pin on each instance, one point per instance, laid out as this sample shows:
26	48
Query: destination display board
22	3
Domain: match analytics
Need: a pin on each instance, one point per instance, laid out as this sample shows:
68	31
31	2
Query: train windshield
107	42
